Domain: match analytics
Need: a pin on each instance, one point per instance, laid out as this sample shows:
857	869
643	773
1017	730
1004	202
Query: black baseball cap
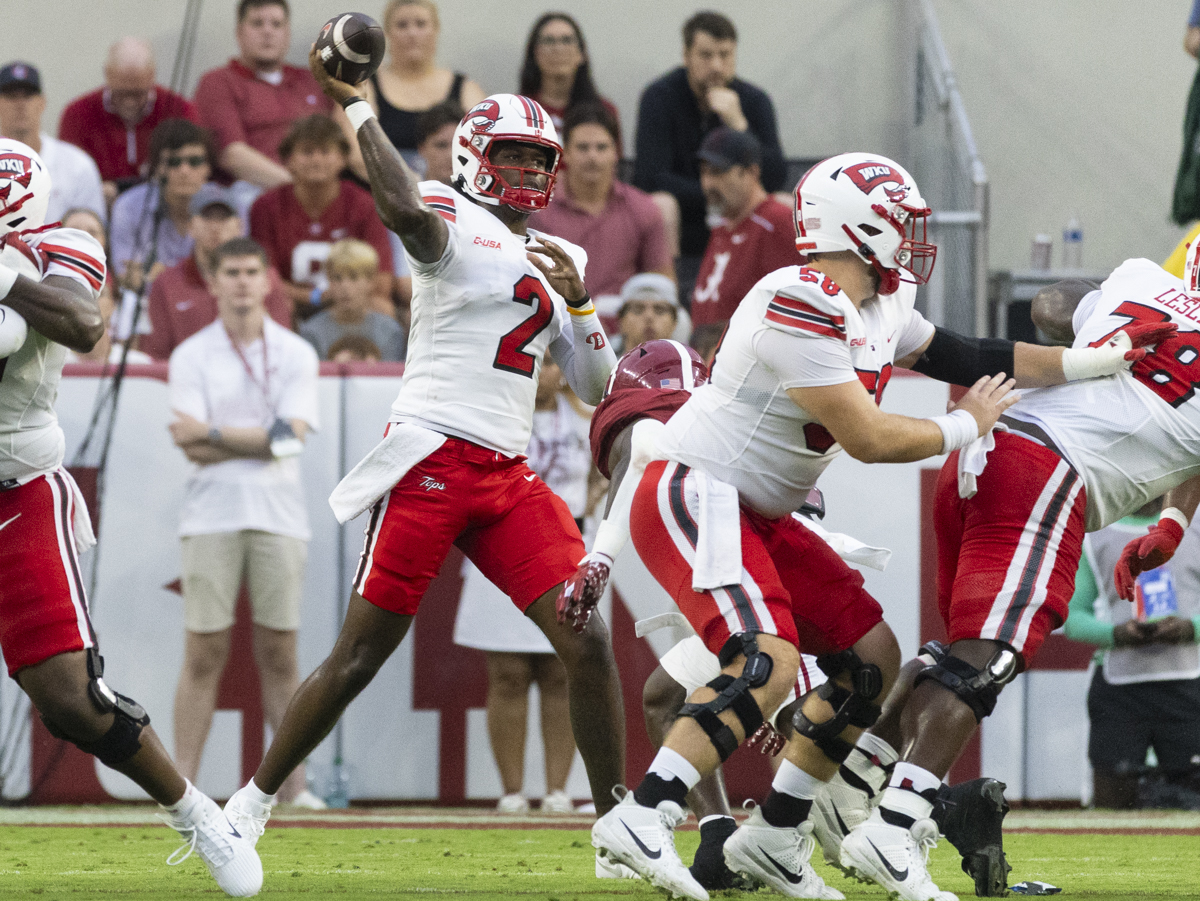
723	147
20	75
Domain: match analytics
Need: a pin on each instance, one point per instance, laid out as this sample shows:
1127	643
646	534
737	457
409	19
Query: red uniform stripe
800	306
804	325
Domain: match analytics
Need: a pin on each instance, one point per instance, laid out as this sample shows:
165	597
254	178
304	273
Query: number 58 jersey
482	319
1134	435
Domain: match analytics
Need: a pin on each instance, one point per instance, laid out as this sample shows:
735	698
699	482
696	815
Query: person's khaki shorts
213	569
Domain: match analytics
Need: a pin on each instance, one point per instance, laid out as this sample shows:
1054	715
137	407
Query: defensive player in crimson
46	633
489	297
798	377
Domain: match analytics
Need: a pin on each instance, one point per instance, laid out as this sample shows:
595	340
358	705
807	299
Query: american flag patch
676	384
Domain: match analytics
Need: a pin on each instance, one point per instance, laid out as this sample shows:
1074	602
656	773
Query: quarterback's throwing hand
337	91
582	592
560	272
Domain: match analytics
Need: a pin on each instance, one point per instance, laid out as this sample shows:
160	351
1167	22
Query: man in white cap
649	309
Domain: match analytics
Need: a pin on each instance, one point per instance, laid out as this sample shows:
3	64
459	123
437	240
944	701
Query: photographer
244	393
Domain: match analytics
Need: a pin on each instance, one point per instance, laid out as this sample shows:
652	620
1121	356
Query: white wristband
359	113
8	277
1095	362
1174	513
959	429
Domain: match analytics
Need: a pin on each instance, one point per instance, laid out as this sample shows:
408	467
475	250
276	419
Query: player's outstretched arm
58	308
393	183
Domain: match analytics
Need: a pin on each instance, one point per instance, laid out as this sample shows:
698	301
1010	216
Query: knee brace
851	707
976	688
733	693
932	652
122	740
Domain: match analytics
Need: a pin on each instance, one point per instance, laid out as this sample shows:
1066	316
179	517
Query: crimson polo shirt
237	105
625	239
119	151
738	256
181	304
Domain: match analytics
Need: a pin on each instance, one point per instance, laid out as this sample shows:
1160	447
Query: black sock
717	830
655	789
785	810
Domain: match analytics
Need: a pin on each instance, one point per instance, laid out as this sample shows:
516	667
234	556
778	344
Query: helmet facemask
499	119
522	196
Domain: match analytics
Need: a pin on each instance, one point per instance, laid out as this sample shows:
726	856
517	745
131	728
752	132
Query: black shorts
1126	720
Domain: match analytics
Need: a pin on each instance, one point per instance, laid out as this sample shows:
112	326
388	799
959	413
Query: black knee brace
122	740
851	707
733	693
978	689
932	652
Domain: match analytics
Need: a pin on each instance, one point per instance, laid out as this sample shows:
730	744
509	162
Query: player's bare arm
1054	306
873	436
393	183
60	309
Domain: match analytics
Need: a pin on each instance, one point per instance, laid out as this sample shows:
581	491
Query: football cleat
607	868
228	854
777	856
895	858
248	815
838	810
643	839
971	816
709	867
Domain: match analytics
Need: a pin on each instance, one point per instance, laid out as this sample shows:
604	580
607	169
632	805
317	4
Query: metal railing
954	183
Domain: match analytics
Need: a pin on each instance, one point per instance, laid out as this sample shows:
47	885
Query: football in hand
351	47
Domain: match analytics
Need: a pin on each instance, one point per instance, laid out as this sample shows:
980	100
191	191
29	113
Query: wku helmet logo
871	175
483	116
17	167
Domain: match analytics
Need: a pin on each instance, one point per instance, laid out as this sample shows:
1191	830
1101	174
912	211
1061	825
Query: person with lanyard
1145	690
244	394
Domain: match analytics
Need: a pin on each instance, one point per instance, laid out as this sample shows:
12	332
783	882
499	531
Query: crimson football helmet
24	187
870	205
504	117
658	364
1191	269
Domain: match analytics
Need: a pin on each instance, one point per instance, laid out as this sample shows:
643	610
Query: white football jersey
31	441
1134	435
794	329
482	319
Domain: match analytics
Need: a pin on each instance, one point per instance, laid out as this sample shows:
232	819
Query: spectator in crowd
252	102
181	298
243	423
435	138
107	350
619	226
557	72
74	180
353	272
756	234
411	81
1145	691
299	222
680	108
152	219
649	309
706	339
87	220
518	654
354	349
113	123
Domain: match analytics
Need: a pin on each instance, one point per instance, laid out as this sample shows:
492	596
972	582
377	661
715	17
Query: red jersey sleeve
623	408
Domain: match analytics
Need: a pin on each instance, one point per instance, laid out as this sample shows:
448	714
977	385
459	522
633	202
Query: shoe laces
191	835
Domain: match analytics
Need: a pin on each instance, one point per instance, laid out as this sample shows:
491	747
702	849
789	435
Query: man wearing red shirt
756	234
298	223
113	124
181	302
251	103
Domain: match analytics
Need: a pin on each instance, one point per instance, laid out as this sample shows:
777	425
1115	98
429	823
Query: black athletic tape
963	361
718	733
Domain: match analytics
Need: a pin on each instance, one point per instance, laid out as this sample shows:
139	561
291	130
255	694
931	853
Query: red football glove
767	740
1146	553
1145	334
581	593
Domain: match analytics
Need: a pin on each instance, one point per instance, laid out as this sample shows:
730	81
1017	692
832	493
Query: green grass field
411	860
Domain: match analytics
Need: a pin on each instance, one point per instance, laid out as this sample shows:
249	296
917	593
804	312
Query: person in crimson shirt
252	102
181	300
756	235
298	223
113	123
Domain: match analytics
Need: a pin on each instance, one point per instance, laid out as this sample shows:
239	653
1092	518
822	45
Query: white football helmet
1191	271
870	205
504	117
24	187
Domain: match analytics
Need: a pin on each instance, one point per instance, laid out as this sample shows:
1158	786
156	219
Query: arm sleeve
186	382
1082	624
587	364
805	362
218	109
760	113
613	533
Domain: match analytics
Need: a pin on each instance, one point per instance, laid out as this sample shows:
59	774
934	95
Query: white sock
907	798
259	795
668	765
713	818
791	780
873	755
873	745
184	806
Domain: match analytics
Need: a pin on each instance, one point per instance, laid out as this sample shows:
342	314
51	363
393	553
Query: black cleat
971	816
709	867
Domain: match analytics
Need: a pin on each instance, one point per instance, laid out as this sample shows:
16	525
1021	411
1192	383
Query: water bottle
339	785
1073	244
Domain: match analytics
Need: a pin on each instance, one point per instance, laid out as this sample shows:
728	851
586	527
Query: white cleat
643	839
895	858
306	800
840	808
248	815
607	868
778	856
228	854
